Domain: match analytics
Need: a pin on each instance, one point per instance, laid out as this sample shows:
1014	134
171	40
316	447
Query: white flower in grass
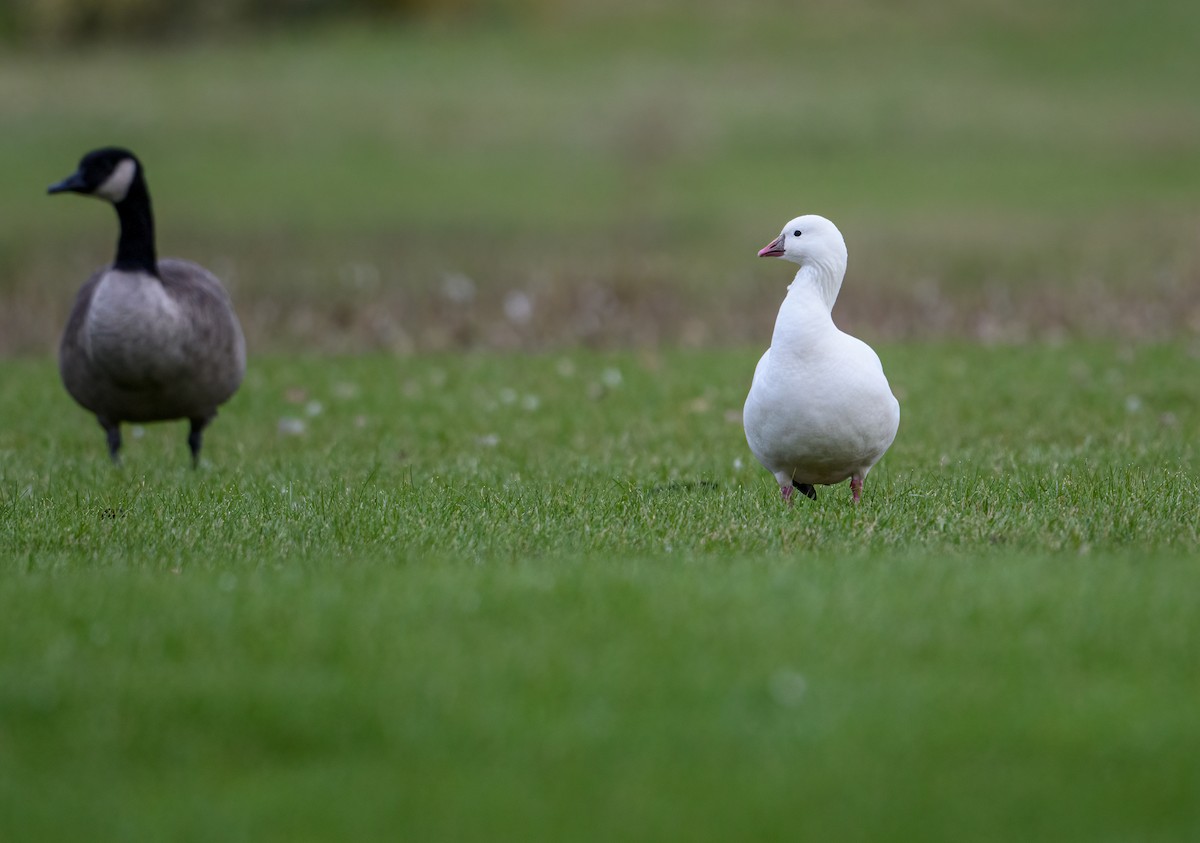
530	402
488	440
458	288
518	307
1133	404
787	687
507	395
314	408
291	426
611	377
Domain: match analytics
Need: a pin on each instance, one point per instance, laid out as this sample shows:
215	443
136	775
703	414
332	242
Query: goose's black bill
71	184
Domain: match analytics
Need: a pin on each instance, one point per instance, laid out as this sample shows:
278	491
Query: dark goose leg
112	431
195	438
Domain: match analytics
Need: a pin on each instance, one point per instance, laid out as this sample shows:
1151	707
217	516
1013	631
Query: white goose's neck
823	277
804	317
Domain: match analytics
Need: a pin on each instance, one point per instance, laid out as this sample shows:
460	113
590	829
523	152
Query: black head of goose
147	340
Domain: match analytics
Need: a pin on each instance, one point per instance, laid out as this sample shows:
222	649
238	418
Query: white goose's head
808	239
815	243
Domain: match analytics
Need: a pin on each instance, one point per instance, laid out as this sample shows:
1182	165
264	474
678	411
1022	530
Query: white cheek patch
117	185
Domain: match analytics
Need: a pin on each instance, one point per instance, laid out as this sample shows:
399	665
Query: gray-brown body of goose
147	340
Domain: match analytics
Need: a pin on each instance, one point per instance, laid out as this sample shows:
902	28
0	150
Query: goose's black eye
797	233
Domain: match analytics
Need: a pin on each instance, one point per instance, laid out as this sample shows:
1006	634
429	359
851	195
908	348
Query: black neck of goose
135	248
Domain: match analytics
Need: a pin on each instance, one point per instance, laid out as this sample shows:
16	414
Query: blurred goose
147	340
820	409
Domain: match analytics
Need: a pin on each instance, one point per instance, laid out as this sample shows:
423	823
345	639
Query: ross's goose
820	409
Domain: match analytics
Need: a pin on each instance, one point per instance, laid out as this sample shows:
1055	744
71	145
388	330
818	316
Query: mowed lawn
474	594
551	597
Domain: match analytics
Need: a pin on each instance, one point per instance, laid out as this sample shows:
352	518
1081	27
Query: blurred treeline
75	21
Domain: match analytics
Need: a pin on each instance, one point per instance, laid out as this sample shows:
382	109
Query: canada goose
147	340
820	408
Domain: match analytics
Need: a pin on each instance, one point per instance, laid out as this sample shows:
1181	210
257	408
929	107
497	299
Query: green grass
518	597
549	595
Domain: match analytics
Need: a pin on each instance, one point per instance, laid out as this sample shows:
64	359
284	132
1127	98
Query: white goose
820	408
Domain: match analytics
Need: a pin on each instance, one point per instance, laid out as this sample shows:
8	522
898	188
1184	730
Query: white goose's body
820	409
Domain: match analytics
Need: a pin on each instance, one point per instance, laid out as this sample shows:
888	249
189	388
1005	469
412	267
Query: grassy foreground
552	597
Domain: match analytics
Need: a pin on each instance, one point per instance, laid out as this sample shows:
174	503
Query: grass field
1000	171
552	597
479	552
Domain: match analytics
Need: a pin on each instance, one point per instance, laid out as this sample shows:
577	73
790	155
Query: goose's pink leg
856	488
786	491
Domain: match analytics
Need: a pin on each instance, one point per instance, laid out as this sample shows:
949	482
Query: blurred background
419	174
